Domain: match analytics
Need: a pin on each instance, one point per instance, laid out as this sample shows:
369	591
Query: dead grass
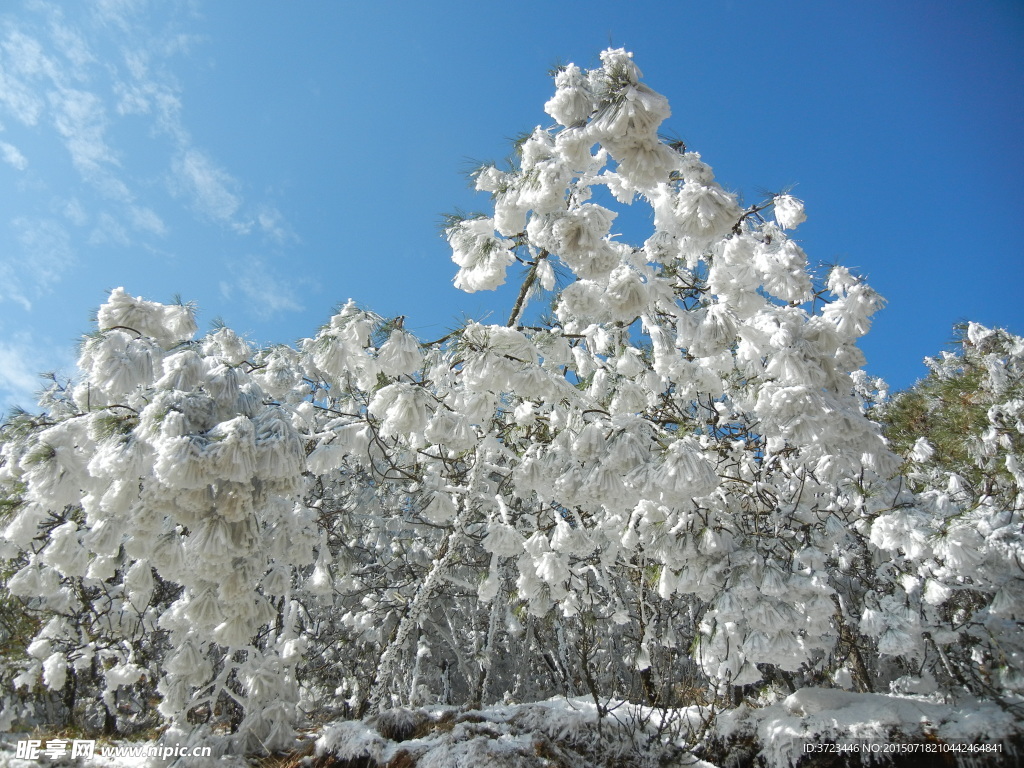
290	760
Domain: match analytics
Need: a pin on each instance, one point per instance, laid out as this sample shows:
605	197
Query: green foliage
20	423
944	410
452	219
38	454
11	497
953	406
114	424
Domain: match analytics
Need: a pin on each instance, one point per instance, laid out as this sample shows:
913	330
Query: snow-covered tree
668	491
959	550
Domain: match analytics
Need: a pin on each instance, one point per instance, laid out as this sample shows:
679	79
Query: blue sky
271	159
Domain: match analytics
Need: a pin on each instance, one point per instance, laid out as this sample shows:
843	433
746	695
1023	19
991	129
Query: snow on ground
558	732
562	733
831	716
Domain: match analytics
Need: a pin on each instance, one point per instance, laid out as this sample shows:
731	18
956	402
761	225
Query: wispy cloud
80	118
209	187
266	292
109	231
19	379
75	213
12	156
45	255
45	78
273	224
22	64
99	79
70	42
22	359
117	13
146	220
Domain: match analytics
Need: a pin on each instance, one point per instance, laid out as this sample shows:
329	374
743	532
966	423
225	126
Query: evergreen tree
961	546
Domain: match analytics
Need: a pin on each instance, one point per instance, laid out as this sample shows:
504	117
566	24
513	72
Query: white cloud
21	63
12	156
31	80
209	186
80	118
266	292
22	359
18	379
146	220
118	13
142	93
25	55
45	255
273	224
11	288
75	212
94	75
109	231
45	245
72	45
